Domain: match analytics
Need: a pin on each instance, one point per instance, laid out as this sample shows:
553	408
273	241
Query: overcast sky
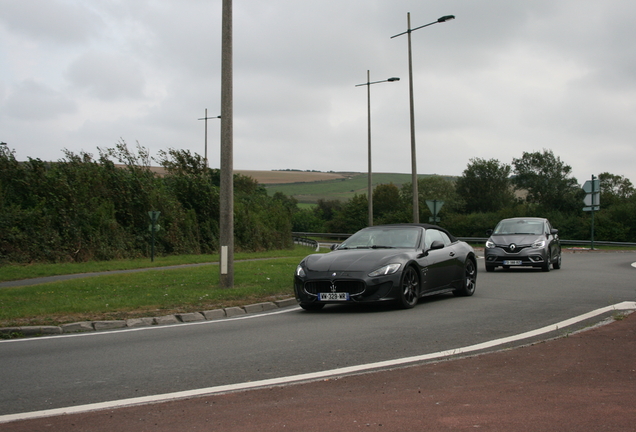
504	77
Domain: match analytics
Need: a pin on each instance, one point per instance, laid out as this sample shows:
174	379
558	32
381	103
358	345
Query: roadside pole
226	222
592	201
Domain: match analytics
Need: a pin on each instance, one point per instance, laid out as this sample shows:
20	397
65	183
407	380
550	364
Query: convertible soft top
422	225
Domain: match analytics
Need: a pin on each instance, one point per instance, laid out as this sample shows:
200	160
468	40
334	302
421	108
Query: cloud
32	101
503	78
50	21
107	76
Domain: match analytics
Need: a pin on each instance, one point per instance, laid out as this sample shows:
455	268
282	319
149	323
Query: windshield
528	227
407	237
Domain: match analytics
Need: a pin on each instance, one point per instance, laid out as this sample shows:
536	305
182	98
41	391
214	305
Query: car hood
518	239
353	260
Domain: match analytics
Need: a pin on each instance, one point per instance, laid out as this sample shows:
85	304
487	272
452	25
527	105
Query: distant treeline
536	184
83	208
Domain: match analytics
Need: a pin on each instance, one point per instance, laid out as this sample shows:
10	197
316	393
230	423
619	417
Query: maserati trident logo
333	287
512	247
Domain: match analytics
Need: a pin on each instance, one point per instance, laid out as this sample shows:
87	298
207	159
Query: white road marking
309	376
153	327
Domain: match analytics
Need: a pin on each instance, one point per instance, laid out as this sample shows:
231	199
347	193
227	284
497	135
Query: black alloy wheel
409	288
557	264
469	281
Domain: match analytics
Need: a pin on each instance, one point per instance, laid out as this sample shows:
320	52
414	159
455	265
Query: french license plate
339	296
512	262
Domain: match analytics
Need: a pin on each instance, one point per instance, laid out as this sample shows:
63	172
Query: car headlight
539	244
300	271
490	244
386	270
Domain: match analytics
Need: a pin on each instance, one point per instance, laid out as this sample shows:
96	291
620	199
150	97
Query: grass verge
28	271
154	292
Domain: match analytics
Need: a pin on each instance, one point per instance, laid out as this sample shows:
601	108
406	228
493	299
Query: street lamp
369	182
416	205
206	118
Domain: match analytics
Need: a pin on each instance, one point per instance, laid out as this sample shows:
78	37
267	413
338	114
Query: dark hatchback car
519	242
387	263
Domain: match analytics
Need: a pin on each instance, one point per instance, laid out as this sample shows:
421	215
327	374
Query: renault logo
512	247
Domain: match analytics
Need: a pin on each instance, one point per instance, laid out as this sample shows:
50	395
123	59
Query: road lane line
311	376
153	327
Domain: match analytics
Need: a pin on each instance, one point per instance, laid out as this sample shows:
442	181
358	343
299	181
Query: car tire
469	280
409	288
557	263
312	306
546	265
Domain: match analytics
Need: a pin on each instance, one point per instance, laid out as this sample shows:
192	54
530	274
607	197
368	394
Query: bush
80	209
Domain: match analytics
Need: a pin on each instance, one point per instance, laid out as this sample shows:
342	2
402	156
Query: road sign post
592	201
434	206
154	227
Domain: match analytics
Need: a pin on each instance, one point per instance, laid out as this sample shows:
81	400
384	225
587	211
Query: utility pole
226	220
206	118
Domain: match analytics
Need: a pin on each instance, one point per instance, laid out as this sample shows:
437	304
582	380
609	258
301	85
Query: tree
387	204
306	220
614	189
485	186
327	209
352	217
434	187
547	181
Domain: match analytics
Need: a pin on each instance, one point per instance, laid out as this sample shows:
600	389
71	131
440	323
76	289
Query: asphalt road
63	371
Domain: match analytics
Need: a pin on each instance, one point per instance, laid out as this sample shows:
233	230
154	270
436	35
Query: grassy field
341	189
258	278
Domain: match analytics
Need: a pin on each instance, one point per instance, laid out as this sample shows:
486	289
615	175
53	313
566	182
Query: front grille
324	286
516	250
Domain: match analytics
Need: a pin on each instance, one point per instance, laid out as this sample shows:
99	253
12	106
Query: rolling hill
308	189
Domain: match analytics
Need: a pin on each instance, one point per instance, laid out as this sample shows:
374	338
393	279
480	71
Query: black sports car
398	263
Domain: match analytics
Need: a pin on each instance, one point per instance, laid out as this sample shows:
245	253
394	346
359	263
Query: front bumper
360	289
527	257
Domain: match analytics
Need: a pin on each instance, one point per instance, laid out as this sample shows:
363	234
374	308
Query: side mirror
333	246
554	231
489	232
437	244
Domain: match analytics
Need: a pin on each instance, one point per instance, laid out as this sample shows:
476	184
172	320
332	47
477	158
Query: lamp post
369	182
206	118
416	205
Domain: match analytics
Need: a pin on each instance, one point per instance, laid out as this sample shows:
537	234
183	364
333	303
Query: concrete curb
85	326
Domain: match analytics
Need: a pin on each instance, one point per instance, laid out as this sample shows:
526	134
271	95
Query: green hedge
81	208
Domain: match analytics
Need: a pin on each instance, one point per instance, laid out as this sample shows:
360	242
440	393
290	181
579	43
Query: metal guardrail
321	235
342	236
596	243
305	241
587	243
